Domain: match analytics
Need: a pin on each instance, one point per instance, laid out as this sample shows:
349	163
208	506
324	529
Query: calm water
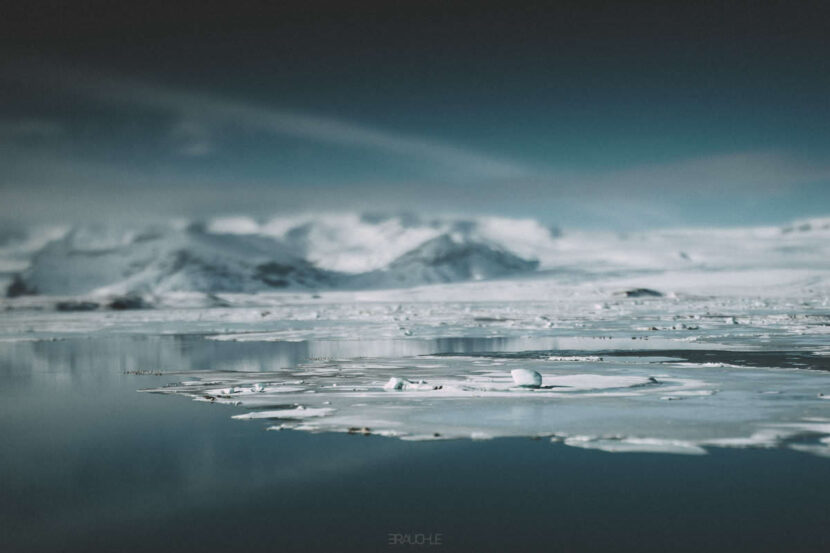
88	464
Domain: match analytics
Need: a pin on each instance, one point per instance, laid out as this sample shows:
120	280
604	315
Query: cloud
15	130
40	180
711	177
760	171
210	110
191	138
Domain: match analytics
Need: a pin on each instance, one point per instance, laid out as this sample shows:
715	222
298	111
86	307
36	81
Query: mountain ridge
197	258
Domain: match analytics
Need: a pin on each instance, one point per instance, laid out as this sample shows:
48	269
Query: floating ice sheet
608	402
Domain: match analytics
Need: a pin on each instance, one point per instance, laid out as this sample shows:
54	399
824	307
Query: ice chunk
396	384
631	444
641	293
526	378
400	384
297	413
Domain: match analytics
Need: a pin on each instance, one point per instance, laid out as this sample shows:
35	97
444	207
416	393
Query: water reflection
88	464
114	355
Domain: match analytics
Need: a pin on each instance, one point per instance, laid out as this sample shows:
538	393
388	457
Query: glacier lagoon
91	464
686	391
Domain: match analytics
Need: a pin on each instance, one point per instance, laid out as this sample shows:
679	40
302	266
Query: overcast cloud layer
657	116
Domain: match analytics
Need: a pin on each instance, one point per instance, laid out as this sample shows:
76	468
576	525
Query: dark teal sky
584	115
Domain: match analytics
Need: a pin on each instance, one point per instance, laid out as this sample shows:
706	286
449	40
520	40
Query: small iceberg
526	378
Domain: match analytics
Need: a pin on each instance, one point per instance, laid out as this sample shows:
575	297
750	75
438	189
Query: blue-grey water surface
87	464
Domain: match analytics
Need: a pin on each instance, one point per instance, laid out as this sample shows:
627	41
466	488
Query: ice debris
296	413
402	384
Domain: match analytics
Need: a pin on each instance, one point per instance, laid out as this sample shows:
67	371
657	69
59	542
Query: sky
591	115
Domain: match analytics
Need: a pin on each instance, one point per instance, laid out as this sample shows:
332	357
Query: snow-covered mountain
237	255
360	243
351	251
164	259
447	258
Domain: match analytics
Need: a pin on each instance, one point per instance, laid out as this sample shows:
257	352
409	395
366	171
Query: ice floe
615	407
296	413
